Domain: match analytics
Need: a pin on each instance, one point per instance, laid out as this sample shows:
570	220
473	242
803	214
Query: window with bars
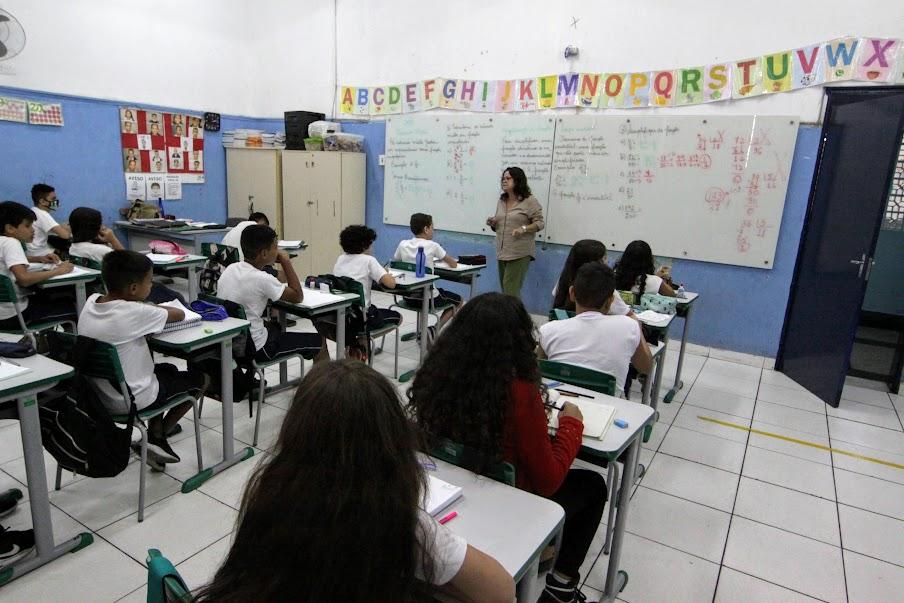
894	208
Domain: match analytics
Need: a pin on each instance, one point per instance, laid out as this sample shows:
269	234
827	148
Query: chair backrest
86	262
597	381
471	459
102	361
409	266
224	254
559	314
165	585
7	290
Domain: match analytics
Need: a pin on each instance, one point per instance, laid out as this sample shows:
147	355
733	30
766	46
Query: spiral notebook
597	417
440	495
191	319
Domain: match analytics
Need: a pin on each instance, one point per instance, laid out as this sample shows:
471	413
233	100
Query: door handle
861	263
250	204
310	203
334	209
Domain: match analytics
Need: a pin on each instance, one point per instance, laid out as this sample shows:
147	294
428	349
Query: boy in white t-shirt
45	200
422	228
246	283
16	230
121	318
233	238
592	338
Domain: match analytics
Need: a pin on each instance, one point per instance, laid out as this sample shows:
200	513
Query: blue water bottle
420	263
160	207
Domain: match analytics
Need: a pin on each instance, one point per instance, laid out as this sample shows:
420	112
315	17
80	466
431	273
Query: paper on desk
8	370
654	318
440	494
164	258
597	417
289	244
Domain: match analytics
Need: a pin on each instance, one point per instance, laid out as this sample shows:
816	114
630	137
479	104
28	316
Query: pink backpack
166	247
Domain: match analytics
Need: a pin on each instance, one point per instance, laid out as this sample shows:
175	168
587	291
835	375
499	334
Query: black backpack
76	428
356	320
219	256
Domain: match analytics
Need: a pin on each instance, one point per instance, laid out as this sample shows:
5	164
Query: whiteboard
451	168
703	188
709	188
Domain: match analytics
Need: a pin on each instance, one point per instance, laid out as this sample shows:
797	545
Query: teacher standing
518	218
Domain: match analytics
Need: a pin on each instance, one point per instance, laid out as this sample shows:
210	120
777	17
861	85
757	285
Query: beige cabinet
254	183
322	193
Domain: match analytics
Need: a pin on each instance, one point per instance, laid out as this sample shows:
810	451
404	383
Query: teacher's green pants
512	273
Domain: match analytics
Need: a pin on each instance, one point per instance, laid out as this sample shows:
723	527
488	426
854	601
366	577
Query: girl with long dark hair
583	252
518	218
334	514
480	386
634	271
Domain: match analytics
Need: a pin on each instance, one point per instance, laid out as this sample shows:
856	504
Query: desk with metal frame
685	308
193	263
186	235
464	273
407	282
79	277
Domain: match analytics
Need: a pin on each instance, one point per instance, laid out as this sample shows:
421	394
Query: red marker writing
448	517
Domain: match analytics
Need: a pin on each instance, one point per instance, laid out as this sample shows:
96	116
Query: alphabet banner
864	59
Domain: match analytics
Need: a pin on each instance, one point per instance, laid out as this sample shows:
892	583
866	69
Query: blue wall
740	309
83	159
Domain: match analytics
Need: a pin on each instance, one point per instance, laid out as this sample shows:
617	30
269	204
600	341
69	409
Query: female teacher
518	217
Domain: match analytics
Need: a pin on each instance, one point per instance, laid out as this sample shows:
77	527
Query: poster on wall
13	109
158	144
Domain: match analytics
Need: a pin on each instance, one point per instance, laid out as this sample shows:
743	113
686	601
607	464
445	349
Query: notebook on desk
191	319
597	417
9	369
440	494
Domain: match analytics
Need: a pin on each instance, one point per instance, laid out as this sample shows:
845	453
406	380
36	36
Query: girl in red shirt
480	386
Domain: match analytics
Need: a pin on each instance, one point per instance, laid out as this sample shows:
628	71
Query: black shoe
9	500
557	591
161	450
177	429
14	544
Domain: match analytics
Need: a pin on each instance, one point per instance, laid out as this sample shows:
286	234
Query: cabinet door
253	184
353	188
325	174
298	206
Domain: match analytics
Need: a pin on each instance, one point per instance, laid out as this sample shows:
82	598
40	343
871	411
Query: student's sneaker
557	591
176	430
9	500
161	449
152	460
15	544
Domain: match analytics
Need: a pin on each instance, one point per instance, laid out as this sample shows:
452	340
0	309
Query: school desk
79	277
138	237
463	273
44	374
616	441
316	303
185	343
407	282
684	308
650	397
511	525
192	263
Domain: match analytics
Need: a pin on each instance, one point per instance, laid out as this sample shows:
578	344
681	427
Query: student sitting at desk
358	264
634	272
583	252
233	238
16	222
122	319
481	387
422	228
92	240
246	283
45	201
334	513
591	338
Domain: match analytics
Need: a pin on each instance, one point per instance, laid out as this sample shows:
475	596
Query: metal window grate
894	208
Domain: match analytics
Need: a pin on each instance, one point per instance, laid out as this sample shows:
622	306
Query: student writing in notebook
593	338
334	514
422	228
583	252
480	386
92	240
122	319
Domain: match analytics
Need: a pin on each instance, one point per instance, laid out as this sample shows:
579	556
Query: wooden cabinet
322	193
254	183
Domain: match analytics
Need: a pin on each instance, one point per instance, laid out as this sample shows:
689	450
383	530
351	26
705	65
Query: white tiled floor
721	515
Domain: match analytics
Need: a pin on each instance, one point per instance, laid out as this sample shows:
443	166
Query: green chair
627	296
471	459
248	359
436	309
165	585
560	314
8	295
603	383
103	363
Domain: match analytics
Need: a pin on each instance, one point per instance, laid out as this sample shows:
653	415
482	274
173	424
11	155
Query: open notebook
9	369
597	417
191	319
440	495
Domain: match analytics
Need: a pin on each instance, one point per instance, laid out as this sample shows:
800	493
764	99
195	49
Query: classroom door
860	139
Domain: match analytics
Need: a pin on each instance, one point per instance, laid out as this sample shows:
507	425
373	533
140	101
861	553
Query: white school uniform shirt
244	284
446	549
362	267
43	224
433	253
12	254
593	340
90	251
233	238
618	307
125	324
652	285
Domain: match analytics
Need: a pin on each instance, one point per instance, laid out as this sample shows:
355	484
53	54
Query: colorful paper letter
777	72
877	59
748	78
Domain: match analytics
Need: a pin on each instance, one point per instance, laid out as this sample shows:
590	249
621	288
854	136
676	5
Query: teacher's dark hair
583	252
520	188
633	267
463	388
333	514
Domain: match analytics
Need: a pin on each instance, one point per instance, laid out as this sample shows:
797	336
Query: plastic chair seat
436	306
150	414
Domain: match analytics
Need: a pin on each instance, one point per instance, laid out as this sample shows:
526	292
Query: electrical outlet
382	159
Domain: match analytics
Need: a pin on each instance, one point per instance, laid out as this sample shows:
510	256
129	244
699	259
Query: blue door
860	140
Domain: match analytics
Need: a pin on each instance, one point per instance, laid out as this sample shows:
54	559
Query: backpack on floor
356	320
76	428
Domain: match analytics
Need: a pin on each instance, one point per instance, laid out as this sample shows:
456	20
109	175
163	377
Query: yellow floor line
769	434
